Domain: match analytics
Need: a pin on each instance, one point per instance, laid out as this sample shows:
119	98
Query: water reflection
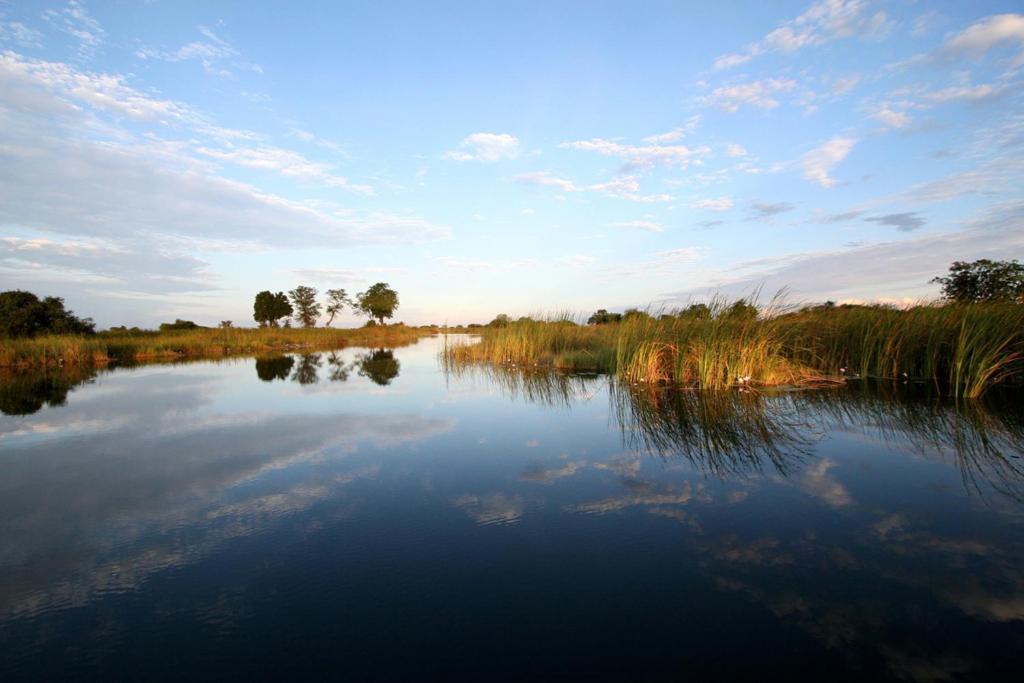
275	367
204	508
26	392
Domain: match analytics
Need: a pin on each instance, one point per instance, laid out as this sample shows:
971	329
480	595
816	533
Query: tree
696	312
740	311
983	281
269	308
379	301
307	310
337	299
179	324
500	320
603	317
23	314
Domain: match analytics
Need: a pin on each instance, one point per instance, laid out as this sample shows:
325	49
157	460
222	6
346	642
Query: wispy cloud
641	156
716	204
485	147
648	226
823	22
74	20
817	163
904	222
761	94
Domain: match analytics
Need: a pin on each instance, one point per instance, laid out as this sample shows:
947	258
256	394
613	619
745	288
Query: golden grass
965	349
205	343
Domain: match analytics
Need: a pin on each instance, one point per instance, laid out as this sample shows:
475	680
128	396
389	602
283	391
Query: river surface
366	515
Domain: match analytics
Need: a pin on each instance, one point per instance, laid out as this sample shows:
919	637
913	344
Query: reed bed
962	349
108	347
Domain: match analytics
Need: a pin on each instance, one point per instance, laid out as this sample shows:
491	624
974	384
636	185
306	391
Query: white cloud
892	119
640	156
719	204
760	94
976	40
17	32
817	163
648	226
287	162
873	272
545	179
485	147
966	93
823	22
627	187
735	150
75	21
215	54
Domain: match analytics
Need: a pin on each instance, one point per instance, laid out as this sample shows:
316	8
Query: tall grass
963	349
125	347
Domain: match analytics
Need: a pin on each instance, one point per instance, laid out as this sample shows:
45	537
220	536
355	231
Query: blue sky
170	159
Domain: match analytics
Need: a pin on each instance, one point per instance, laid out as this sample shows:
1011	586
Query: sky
169	159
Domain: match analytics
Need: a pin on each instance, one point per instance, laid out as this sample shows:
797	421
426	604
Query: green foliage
179	324
307	310
23	314
983	280
379	302
603	317
268	308
337	299
500	320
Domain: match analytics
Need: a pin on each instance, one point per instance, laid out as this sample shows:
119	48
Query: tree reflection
307	371
26	392
338	370
277	367
379	366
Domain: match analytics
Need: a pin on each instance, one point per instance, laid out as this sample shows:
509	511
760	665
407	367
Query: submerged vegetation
962	348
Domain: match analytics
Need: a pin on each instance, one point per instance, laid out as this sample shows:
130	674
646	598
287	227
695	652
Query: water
364	515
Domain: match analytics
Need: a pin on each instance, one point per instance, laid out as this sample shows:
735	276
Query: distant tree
696	312
274	367
380	367
983	281
179	324
603	317
500	320
635	314
337	299
226	324
741	310
268	308
379	301
23	314
307	310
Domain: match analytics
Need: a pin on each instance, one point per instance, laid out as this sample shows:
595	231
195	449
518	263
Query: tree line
302	305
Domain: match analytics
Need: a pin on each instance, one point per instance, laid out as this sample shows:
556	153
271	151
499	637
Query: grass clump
963	349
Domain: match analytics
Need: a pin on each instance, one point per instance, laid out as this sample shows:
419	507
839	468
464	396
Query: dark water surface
364	515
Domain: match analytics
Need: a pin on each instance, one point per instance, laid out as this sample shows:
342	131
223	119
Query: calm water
363	515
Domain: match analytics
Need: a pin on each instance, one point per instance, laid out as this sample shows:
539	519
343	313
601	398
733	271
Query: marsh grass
962	349
108	347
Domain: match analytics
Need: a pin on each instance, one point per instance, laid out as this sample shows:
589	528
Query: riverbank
965	349
111	347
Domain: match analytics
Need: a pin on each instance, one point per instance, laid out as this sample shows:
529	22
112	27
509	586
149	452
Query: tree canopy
269	308
337	299
983	281
379	301
23	314
307	310
603	317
